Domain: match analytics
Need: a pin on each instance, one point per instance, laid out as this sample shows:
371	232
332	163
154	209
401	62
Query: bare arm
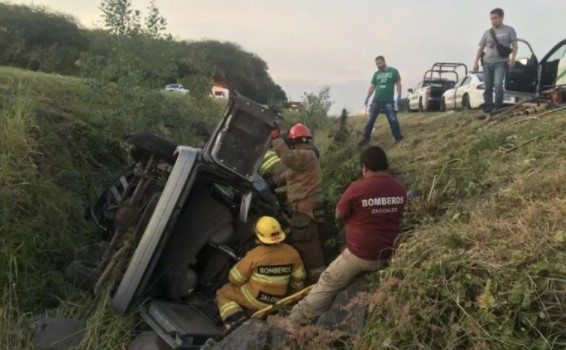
371	89
399	88
481	49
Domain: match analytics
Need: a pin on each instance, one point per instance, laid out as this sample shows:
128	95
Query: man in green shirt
383	83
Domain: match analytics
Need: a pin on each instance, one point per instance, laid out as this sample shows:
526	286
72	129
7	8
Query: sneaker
363	142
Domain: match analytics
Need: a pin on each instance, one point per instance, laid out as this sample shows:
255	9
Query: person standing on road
496	45
372	208
304	195
382	87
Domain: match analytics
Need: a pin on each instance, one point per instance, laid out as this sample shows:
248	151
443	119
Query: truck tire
146	144
443	105
466	102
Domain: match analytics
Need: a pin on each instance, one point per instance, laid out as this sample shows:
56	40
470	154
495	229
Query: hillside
60	142
481	266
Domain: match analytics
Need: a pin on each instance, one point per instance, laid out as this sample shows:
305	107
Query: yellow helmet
268	230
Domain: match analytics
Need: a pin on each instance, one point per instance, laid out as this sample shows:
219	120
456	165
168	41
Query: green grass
60	143
481	264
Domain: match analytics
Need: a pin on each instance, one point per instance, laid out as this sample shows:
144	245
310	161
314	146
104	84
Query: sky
312	43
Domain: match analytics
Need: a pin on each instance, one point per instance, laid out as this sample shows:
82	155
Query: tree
342	134
33	37
122	20
139	52
133	49
119	17
228	64
155	24
315	108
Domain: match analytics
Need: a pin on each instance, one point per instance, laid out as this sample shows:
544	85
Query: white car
468	94
178	88
426	95
442	76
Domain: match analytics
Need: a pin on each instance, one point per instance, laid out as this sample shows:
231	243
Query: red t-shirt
373	209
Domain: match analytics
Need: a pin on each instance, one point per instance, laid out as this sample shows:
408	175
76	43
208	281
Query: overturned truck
186	215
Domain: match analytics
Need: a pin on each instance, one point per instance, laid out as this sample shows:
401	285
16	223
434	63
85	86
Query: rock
278	339
58	333
49	313
253	334
148	341
341	316
257	334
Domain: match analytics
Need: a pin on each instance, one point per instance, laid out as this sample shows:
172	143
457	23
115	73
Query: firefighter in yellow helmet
264	276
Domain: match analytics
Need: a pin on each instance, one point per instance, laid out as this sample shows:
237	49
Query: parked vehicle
426	96
531	77
468	94
178	88
186	213
220	92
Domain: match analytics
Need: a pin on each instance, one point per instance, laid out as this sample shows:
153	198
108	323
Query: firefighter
272	167
264	276
304	195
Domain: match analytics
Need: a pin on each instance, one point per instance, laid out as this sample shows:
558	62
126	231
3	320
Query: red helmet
299	131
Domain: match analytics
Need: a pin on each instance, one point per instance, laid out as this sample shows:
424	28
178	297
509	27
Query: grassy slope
60	142
482	265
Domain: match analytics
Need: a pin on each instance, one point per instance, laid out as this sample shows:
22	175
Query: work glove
272	186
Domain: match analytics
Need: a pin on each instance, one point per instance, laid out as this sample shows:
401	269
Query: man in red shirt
372	208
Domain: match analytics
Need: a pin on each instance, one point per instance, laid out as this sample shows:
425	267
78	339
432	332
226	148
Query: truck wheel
443	105
466	102
146	144
82	274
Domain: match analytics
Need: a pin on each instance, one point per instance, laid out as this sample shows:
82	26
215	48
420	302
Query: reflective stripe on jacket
303	176
266	273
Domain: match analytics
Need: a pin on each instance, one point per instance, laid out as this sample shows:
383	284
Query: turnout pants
306	238
231	300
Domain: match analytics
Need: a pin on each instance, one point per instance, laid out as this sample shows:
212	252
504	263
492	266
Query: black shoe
234	321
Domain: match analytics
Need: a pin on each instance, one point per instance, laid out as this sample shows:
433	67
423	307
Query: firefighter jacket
265	274
272	167
303	177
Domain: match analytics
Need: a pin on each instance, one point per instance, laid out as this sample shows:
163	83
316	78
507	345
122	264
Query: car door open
553	68
523	78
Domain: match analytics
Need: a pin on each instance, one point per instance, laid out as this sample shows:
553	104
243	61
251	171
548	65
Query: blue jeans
493	76
389	109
